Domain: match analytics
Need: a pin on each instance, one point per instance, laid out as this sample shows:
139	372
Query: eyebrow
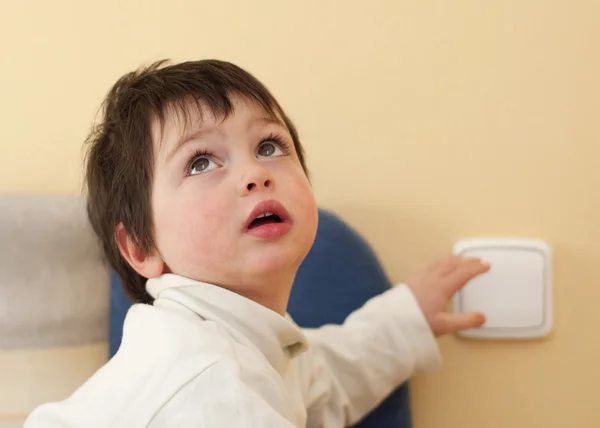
204	131
187	138
266	121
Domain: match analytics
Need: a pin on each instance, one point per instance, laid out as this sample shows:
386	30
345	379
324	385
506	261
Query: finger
436	264
454	262
450	323
464	273
447	265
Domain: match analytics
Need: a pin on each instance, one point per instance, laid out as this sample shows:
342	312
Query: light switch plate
516	293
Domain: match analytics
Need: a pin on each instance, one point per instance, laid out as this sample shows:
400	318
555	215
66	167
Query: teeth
265	215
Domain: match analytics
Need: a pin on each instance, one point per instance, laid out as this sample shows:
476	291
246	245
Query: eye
271	148
201	163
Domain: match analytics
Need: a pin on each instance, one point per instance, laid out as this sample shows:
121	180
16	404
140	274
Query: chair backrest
340	273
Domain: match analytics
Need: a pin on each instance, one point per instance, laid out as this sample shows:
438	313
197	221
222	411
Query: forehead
185	117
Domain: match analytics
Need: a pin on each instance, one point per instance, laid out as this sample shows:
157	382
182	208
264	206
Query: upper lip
269	206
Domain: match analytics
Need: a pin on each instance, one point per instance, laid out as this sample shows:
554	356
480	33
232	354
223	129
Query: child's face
206	190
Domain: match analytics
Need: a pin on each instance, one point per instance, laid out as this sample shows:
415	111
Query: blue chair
340	273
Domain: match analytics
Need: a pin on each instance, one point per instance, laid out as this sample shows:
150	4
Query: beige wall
424	122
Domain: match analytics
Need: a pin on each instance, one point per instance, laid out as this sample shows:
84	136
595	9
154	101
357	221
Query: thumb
450	323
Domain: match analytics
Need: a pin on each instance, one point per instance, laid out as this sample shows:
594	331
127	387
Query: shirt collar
277	337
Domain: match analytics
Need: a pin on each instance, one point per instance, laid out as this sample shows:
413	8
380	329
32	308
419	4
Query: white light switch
515	295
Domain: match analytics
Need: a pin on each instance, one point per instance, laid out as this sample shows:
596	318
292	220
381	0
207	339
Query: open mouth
266	218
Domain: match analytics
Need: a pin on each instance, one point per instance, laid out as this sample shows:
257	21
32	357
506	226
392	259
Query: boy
199	194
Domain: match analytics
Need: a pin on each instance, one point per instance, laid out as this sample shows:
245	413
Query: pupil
200	165
267	149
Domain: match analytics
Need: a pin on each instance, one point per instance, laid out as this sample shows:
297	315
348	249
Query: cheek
304	200
190	226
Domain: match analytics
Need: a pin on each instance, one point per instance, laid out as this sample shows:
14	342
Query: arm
357	365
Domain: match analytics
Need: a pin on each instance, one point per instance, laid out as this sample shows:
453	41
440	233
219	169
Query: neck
272	293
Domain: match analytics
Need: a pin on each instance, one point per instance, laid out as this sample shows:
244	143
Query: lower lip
270	231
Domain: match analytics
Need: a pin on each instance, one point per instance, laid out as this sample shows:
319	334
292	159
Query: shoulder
161	352
223	396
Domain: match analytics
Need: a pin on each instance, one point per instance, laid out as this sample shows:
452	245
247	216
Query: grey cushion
54	286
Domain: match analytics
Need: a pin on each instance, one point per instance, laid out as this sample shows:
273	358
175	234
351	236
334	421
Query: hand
434	286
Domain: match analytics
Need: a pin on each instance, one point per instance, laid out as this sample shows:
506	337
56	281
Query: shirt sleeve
352	367
218	398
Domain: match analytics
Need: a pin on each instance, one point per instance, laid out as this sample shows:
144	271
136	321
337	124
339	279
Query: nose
256	178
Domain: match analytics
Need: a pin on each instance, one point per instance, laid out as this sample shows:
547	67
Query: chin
276	260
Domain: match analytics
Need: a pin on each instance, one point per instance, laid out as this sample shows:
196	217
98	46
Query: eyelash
198	153
275	138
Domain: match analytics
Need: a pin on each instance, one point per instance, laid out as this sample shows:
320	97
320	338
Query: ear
148	265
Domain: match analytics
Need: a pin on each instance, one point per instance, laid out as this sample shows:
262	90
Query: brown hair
120	160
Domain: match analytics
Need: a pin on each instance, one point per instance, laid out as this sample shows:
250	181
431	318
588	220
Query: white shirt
204	357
